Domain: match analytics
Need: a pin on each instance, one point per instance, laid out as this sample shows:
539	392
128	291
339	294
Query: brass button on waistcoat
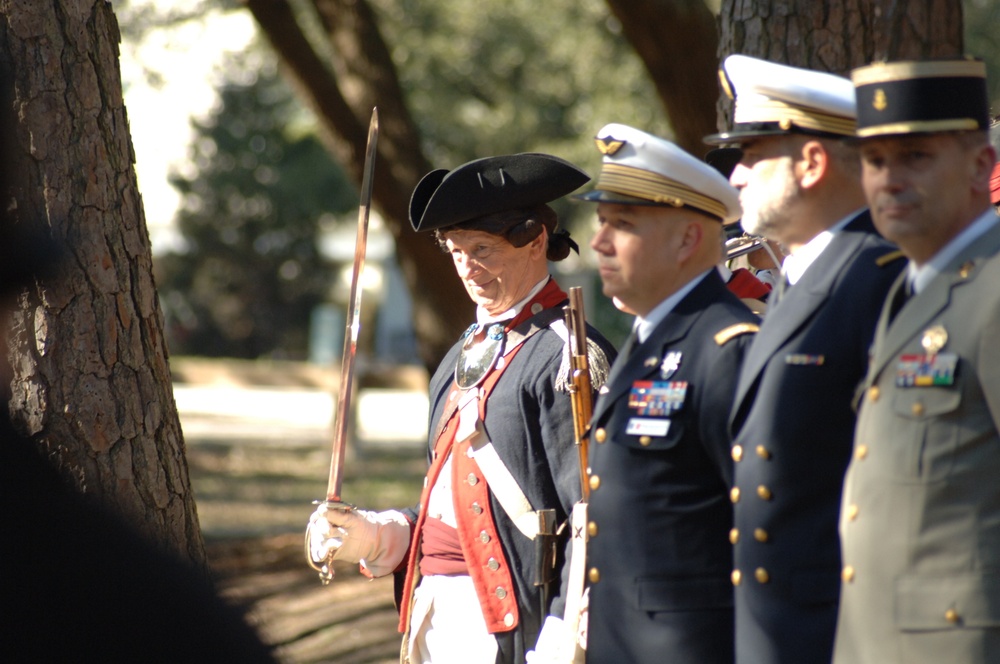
861	452
760	535
734	535
645	441
918	409
951	615
472	479
734	494
763	492
763	452
847	574
592	529
508	620
873	393
493	564
484	537
761	575
736	577
852	511
477	508
600	435
737	453
500	593
594	575
595	482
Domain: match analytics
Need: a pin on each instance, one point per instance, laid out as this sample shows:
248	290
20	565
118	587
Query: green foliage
250	274
489	78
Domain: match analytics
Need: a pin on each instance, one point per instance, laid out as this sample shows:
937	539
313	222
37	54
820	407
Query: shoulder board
724	335
885	259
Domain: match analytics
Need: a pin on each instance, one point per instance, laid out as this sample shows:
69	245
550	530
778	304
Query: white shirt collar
643	326
919	277
484	317
795	265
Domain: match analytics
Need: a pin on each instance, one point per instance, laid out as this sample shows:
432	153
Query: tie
899	299
779	289
631	343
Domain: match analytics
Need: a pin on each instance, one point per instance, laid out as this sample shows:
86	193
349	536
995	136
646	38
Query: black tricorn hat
489	186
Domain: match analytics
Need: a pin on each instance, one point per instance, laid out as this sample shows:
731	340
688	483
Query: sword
353	326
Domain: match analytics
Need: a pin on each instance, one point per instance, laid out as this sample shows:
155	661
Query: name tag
652	398
926	370
803	360
645	426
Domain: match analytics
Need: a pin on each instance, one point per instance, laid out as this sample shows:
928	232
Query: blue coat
530	421
658	557
793	425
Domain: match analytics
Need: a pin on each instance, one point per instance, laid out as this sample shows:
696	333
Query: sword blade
353	322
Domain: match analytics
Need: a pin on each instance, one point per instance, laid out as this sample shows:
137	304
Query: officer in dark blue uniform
792	419
658	558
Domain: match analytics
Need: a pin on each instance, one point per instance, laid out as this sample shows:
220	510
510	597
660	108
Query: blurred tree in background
455	81
259	184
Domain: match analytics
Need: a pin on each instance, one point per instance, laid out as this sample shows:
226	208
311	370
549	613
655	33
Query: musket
580	389
353	327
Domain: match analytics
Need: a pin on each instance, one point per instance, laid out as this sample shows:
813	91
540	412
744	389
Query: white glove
377	540
555	644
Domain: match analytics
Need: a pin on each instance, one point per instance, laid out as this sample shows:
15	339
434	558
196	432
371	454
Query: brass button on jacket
594	575
595	482
600	435
761	575
737	453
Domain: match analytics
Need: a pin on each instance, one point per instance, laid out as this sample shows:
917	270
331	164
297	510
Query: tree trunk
839	35
361	75
91	383
676	40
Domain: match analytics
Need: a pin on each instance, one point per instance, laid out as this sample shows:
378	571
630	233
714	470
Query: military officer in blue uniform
658	558
920	522
792	418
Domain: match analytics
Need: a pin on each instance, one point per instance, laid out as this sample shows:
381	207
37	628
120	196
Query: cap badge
879	102
934	339
609	145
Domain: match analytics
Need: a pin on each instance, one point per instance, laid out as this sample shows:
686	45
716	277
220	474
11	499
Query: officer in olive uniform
920	523
792	419
658	558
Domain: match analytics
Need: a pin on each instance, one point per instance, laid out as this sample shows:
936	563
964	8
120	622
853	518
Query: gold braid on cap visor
786	115
654	187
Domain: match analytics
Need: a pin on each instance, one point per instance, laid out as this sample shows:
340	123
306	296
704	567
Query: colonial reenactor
658	558
920	522
792	419
504	471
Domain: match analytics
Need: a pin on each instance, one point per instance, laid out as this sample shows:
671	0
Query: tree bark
91	382
361	75
840	35
676	40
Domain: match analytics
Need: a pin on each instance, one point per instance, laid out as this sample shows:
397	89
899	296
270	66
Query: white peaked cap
642	169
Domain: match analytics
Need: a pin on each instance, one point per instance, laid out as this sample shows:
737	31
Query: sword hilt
325	567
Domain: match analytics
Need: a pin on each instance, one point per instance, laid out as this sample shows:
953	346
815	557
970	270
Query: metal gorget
477	358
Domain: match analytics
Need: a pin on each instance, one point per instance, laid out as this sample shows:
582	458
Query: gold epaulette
722	336
885	259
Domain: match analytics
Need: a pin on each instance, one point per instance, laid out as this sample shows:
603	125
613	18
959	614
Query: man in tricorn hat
504	470
920	522
792	418
658	560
